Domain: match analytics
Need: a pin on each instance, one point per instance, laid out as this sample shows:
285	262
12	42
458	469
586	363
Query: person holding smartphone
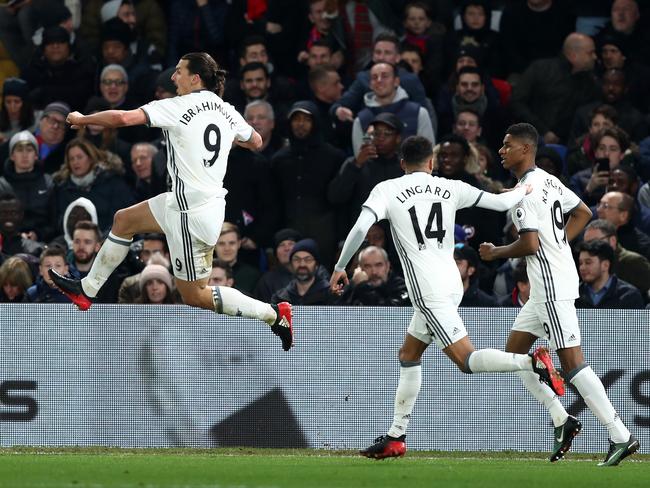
611	146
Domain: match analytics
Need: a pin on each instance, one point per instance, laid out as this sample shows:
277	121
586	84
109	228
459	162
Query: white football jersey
199	129
421	209
552	271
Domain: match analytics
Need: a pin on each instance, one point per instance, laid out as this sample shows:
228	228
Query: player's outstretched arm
503	201
579	217
354	239
108	118
526	245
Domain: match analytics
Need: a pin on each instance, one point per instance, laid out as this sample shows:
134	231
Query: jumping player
544	239
199	129
421	209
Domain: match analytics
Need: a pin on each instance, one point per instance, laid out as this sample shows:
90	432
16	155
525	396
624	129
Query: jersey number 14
429	232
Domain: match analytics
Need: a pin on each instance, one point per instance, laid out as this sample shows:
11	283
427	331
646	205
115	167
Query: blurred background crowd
332	87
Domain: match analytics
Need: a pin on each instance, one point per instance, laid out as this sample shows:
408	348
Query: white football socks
545	396
231	301
112	253
408	388
495	361
593	392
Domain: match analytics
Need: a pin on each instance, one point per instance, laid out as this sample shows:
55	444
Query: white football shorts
437	321
555	321
191	236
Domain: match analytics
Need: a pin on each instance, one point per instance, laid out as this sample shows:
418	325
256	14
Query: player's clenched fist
486	250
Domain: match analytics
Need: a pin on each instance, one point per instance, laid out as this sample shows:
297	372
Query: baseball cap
304	106
390	119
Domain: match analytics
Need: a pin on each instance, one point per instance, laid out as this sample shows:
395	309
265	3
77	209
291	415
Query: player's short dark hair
600	249
88	225
416	150
202	64
387	37
220	263
254	66
525	131
606	111
52	251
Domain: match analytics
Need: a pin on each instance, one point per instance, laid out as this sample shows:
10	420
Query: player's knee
407	356
120	222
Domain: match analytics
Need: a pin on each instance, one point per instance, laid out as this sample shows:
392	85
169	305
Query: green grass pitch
268	468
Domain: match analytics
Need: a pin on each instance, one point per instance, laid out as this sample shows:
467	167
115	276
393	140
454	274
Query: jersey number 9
211	146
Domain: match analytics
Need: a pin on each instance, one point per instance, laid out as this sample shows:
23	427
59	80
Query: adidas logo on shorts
455	331
572	338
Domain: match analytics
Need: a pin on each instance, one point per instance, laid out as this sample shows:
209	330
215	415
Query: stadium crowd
332	87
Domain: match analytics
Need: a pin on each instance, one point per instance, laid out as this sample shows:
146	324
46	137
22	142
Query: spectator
80	209
86	172
11	221
303	172
581	152
324	30
374	283
260	115
628	265
86	242
550	90
116	39
611	146
251	202
618	209
377	161
550	161
221	275
306	287
15	279
467	124
43	290
614	93
149	18
533	30
413	60
624	22
227	249
521	291
421	32
386	50
165	87
279	275
624	179
600	287
388	96
16	113
17	24
154	251
468	264
470	93
32	187
148	181
105	138
156	285
475	30
325	90
51	136
55	74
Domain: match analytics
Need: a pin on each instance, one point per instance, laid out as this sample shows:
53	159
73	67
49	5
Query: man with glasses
388	96
51	135
618	208
306	287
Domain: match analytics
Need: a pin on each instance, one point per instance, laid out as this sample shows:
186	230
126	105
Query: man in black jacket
374	283
307	287
600	288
